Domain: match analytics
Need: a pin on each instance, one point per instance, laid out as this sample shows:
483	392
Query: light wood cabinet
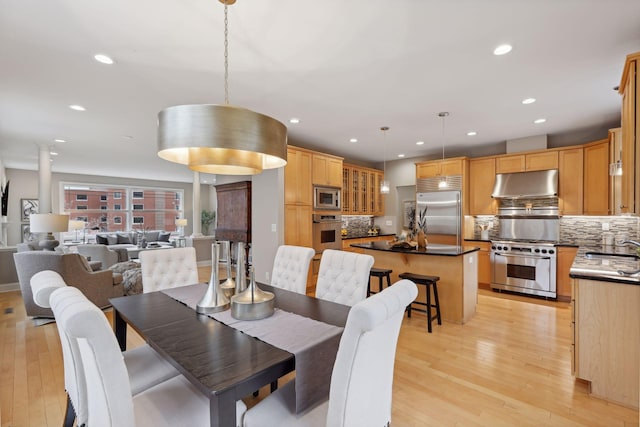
482	176
541	160
606	339
484	263
566	255
596	178
327	170
298	226
615	181
434	168
361	191
297	177
570	181
630	124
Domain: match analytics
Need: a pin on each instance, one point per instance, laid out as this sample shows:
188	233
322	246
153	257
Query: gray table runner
313	343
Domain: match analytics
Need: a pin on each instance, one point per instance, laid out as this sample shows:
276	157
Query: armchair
104	254
98	286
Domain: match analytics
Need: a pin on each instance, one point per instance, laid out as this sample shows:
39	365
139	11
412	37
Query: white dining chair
343	276
103	374
362	377
168	268
291	268
145	367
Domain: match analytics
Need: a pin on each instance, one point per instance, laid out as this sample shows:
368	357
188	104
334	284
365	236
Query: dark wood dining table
223	363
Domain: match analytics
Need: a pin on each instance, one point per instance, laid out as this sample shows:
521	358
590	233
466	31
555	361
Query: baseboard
8	287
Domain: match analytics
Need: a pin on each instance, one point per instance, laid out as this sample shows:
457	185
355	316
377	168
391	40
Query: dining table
223	360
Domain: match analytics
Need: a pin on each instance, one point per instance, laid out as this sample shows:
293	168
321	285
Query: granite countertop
431	249
364	235
589	264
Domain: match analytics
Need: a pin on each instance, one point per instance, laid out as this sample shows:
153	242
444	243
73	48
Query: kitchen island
606	322
457	267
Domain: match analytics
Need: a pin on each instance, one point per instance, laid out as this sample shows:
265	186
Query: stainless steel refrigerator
442	212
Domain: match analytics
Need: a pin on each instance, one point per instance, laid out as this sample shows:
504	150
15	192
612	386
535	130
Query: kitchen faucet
633	242
630	273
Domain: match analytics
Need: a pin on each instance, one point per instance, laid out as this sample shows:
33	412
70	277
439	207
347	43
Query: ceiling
344	68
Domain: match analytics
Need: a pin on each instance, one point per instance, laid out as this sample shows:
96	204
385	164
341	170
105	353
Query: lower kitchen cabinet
606	339
566	255
484	264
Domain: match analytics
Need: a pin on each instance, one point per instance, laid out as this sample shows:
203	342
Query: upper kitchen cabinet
542	160
596	178
570	181
327	170
297	177
447	167
482	175
615	179
630	124
361	191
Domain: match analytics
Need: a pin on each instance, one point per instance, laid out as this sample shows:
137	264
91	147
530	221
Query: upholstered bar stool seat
380	273
430	282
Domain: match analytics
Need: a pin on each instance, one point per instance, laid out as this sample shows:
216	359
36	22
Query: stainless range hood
526	185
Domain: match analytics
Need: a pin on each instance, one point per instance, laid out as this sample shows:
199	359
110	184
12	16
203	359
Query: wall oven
528	268
326	198
327	232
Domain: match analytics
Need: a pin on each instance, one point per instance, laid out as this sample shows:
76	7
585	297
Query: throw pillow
112	239
123	238
163	236
151	236
101	240
121	267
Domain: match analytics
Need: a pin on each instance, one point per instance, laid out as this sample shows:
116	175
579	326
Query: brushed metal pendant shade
221	139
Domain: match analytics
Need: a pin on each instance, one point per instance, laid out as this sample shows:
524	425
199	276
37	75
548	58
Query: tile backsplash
357	224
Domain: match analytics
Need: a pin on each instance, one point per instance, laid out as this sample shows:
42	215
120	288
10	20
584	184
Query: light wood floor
509	366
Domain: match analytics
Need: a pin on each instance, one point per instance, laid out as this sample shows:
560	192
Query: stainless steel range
525	267
525	258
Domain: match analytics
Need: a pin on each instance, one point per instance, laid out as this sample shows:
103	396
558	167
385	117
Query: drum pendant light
221	139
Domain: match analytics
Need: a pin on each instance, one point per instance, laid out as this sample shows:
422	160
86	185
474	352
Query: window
103	219
117	207
138	207
138	220
117	220
103	207
81	207
103	197
117	195
82	197
138	195
82	218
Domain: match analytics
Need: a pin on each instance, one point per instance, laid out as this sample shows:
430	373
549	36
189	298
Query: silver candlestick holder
214	300
253	303
229	285
241	274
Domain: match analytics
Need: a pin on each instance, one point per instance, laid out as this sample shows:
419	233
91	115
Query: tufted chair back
168	268
291	268
343	276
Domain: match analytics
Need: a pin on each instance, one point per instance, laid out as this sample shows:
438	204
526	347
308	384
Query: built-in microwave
326	198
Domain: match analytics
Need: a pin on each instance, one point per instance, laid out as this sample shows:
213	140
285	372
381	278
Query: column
197	225
44	179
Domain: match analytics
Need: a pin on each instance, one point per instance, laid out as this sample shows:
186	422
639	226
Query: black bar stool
429	282
380	273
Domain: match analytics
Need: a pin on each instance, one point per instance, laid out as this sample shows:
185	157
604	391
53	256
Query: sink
609	255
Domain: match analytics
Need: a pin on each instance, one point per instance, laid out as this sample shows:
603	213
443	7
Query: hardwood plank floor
509	366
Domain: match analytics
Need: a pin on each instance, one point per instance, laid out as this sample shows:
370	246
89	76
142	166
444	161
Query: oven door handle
521	256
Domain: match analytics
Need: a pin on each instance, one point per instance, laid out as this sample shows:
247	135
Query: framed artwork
28	207
409	217
26	233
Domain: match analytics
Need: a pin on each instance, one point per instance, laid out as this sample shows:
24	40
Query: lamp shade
75	225
182	222
48	223
221	139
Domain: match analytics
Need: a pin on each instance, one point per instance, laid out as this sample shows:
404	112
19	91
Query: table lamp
48	223
75	225
181	223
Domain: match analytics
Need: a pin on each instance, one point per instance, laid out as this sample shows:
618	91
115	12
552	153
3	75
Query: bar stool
429	282
380	273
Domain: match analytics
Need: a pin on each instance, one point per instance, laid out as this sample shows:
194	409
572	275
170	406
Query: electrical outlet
605	226
273	228
267	275
388	223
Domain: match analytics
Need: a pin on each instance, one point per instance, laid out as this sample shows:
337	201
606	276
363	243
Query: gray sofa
125	240
98	286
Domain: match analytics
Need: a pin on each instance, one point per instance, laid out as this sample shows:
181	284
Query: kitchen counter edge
431	249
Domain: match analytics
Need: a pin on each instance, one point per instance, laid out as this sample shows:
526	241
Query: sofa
98	286
122	239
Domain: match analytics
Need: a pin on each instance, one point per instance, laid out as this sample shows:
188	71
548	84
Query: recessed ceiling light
420	143
127	137
528	101
59	140
53	153
401	155
294	120
538	121
353	140
472	133
77	107
502	49
103	59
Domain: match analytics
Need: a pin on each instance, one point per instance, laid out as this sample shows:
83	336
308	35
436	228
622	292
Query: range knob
493	247
551	251
536	250
544	251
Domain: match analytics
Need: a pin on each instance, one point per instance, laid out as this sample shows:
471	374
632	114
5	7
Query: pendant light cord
226	54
